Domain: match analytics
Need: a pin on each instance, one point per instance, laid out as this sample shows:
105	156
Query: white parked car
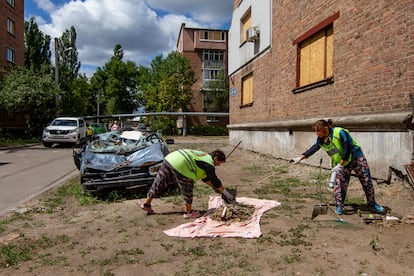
64	130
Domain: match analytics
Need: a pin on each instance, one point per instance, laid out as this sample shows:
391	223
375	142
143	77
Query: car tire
47	144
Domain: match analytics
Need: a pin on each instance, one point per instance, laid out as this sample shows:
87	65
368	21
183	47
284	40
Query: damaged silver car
119	160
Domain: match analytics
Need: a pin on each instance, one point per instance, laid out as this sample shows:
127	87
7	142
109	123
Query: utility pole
57	76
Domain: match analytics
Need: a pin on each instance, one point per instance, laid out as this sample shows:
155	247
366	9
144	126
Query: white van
64	130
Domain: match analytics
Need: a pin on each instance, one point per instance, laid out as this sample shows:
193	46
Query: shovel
321	209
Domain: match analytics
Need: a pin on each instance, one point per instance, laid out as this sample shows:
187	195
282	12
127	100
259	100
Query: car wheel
47	144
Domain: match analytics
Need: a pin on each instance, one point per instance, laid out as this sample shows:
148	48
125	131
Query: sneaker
378	208
339	210
147	208
193	214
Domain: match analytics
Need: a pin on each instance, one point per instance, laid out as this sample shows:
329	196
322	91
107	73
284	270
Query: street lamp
57	62
57	76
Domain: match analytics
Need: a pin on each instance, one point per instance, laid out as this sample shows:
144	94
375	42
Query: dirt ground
118	238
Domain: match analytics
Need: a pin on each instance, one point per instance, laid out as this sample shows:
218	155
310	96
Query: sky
144	28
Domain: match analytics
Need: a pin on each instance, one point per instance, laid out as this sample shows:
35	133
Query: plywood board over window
246	22
315	56
247	91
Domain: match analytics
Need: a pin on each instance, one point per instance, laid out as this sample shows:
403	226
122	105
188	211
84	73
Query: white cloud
134	24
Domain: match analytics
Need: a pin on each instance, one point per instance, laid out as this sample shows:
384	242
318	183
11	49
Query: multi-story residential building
207	51
11	33
351	61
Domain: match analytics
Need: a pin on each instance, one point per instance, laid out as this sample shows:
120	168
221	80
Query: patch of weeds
123	239
158	261
281	186
264	240
374	243
292	258
197	251
255	169
161	220
294	237
12	255
48	259
167	246
274	233
244	264
281	169
201	190
134	222
107	273
216	246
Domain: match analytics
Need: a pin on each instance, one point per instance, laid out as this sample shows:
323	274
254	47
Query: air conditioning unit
252	34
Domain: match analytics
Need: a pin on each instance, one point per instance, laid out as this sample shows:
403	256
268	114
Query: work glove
228	197
338	168
295	160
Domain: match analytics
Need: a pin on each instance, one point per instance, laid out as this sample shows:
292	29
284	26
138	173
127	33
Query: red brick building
207	51
11	33
350	61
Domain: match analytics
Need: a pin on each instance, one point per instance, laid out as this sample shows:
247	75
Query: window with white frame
10	26
10	55
213	55
10	2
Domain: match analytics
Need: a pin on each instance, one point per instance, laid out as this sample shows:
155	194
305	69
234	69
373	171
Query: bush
208	130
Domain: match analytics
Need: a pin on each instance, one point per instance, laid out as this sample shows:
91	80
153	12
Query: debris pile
233	213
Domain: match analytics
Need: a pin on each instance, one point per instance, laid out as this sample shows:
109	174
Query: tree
75	90
166	87
37	46
117	84
216	95
31	93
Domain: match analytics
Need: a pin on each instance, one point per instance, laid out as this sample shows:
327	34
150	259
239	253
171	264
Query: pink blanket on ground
207	227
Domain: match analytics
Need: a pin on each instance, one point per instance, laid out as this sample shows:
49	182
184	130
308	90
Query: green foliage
216	96
37	47
31	93
166	86
208	130
117	84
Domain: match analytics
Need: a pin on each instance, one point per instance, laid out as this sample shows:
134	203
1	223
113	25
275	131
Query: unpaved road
117	238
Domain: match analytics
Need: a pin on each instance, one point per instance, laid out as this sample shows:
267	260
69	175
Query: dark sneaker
339	210
147	208
193	214
378	208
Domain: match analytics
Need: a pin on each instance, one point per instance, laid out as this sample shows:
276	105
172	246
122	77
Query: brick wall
16	41
373	62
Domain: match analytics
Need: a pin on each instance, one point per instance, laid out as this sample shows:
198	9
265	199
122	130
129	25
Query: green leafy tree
66	57
216	95
166	87
117	84
30	93
37	46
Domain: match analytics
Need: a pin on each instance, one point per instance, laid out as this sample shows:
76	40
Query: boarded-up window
316	56
247	90
212	35
246	22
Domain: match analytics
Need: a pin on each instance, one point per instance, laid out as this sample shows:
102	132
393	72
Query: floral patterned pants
168	176
361	169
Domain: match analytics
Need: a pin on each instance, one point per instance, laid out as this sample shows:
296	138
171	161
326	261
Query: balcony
210	64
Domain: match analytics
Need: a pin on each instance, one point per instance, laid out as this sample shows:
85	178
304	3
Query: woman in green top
184	167
346	155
